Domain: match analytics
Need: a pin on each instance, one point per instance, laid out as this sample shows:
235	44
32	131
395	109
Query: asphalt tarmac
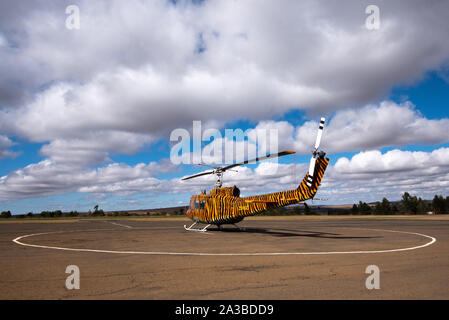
273	258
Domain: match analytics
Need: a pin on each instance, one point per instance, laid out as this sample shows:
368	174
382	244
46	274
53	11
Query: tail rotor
314	153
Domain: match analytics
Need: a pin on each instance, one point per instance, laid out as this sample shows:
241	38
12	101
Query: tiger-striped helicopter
225	206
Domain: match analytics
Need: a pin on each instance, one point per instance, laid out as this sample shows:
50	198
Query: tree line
407	205
96	212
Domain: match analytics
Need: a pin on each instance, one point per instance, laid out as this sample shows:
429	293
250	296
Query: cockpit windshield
197	204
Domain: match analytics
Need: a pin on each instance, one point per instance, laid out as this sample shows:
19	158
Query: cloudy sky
86	114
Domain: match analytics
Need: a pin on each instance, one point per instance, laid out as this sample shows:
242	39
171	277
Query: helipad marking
16	240
119	224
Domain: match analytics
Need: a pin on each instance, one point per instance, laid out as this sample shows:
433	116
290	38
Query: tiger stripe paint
224	205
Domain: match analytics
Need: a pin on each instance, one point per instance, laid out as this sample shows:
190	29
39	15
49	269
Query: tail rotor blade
313	159
320	132
311	170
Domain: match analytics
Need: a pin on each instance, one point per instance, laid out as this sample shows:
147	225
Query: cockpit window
197	204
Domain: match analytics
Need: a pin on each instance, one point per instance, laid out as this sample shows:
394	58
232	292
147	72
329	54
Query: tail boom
257	204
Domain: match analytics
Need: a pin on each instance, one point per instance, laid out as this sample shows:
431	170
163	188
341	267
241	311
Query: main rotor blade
206	165
268	156
198	175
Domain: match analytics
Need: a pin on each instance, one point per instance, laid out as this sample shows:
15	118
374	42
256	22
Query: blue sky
431	95
85	122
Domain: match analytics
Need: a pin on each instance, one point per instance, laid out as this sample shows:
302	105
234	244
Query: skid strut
197	230
240	229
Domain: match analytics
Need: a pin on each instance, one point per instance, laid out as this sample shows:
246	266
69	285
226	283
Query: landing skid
197	230
191	228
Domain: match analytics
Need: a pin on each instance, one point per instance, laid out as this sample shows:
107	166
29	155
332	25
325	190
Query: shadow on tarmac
290	233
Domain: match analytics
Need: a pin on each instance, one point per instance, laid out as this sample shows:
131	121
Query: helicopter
223	205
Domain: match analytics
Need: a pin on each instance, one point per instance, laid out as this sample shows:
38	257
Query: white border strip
17	241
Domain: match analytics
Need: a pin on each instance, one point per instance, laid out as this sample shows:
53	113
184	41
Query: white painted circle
17	241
